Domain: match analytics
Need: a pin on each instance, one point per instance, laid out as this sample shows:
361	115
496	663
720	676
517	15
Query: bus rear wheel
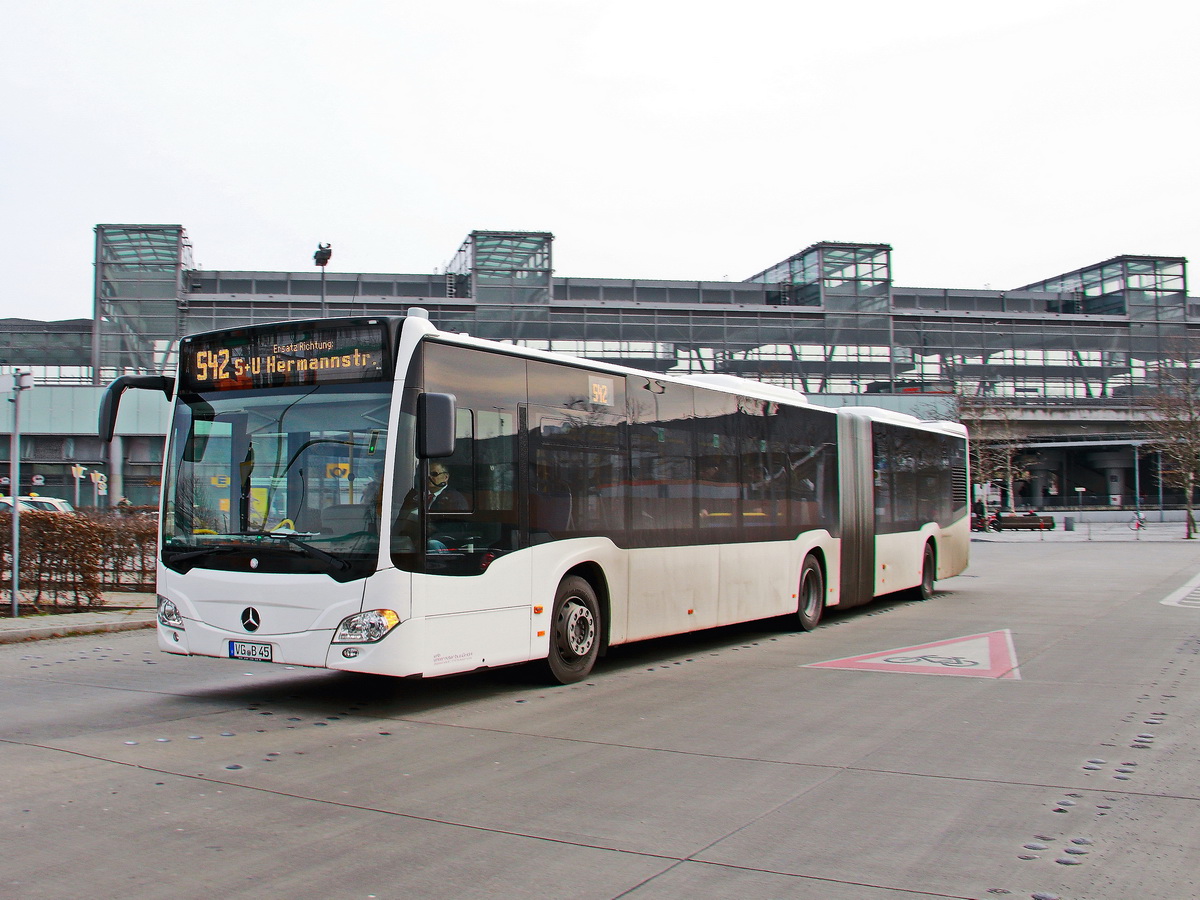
575	635
928	574
811	594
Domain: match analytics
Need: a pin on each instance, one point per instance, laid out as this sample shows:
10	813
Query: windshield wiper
185	555
290	537
314	552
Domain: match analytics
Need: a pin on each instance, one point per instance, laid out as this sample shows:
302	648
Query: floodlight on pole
321	258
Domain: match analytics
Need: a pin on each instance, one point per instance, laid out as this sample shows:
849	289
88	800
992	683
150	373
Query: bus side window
718	485
550	501
810	437
663	471
495	462
577	482
461	466
765	471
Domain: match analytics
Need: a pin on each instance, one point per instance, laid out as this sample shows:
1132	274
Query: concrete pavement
736	763
126	611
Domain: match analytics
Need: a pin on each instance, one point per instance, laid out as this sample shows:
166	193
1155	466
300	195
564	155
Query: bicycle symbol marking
949	661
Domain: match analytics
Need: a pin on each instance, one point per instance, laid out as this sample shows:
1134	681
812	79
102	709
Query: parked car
46	504
6	504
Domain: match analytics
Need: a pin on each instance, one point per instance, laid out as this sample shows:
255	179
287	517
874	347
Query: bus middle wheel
811	594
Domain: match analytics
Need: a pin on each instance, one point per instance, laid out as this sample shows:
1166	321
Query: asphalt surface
1030	732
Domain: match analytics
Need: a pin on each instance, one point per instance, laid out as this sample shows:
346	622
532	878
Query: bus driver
439	496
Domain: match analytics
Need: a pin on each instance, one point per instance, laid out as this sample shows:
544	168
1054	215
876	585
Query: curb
16	634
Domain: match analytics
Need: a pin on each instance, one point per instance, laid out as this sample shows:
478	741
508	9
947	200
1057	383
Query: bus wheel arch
810	591
577	626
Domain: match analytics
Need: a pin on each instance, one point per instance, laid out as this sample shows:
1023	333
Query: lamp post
16	382
321	258
1137	480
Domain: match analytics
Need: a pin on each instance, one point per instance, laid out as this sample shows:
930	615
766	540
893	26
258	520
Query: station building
1064	359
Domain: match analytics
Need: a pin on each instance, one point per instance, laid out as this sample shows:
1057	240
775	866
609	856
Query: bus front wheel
811	595
575	638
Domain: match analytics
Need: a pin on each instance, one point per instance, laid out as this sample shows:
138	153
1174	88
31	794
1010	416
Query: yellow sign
258	504
212	366
220	480
601	391
337	470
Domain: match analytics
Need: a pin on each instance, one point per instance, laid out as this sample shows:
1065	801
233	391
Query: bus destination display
281	357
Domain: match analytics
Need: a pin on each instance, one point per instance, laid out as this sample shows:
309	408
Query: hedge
75	558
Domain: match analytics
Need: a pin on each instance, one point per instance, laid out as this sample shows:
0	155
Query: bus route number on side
602	391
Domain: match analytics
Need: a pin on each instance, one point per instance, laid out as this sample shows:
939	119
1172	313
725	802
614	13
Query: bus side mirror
435	425
111	400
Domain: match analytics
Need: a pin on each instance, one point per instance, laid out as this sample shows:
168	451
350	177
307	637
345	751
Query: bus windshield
283	479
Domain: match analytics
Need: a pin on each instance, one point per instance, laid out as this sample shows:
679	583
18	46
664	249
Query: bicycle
952	661
1138	521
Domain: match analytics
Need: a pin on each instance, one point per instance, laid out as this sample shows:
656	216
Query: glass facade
502	267
138	301
835	276
59	349
827	320
1143	287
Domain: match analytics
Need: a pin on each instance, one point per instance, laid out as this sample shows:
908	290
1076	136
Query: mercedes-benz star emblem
250	618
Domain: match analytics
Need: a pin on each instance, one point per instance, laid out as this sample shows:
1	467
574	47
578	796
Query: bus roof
878	414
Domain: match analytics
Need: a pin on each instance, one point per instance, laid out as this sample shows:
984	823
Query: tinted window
718	480
549	451
809	441
662	481
567	387
577	473
577	480
459	513
919	478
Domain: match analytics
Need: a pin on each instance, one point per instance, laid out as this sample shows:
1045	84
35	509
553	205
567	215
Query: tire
576	628
811	594
928	574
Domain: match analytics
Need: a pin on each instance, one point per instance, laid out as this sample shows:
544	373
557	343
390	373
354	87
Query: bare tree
1173	404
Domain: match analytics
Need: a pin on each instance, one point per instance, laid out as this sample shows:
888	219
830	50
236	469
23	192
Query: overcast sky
991	144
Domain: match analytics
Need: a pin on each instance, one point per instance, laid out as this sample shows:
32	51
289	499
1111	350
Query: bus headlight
168	613
366	627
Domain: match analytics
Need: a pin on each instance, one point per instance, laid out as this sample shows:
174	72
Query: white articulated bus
374	495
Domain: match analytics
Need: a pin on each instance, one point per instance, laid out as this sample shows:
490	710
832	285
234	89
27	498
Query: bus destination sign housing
283	355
